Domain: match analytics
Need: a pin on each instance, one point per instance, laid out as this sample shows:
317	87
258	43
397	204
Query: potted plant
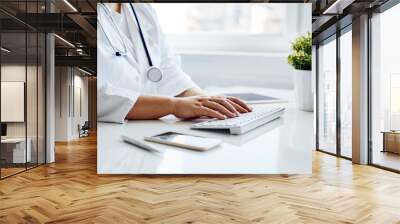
300	59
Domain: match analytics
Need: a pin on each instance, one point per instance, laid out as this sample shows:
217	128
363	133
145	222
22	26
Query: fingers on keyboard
227	104
212	113
220	108
238	107
242	104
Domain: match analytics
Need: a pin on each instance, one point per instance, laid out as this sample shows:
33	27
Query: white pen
138	144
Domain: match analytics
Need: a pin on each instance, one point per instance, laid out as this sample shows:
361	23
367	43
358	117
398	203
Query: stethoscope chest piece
154	74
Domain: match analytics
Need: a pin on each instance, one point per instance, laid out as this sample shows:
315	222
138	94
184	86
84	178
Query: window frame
42	38
381	9
333	37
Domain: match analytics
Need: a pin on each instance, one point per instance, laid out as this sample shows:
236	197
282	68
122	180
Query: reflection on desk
282	146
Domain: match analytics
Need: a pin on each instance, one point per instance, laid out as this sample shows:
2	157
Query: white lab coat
121	80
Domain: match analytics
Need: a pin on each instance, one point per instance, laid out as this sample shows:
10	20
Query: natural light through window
232	27
222	18
395	102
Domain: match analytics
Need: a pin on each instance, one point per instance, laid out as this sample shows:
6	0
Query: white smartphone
185	141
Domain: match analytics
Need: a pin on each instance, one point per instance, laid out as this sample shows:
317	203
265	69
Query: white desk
283	146
19	155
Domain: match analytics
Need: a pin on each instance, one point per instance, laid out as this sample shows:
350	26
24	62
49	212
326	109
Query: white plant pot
303	93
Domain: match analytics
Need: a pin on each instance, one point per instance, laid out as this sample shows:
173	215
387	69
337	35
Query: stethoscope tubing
117	52
152	68
142	37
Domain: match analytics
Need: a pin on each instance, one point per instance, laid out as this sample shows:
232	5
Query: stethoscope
153	73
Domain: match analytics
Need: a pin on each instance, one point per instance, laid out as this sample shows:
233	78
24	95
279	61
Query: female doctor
139	76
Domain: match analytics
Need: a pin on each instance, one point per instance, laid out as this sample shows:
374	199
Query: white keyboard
244	122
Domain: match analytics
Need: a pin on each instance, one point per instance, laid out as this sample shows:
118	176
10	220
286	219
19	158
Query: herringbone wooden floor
70	191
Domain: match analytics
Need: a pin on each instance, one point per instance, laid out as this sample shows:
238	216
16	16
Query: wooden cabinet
391	141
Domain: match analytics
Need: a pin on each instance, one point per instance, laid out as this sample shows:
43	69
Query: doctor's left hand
211	106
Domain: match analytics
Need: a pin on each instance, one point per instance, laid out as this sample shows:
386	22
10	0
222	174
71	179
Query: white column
63	103
360	90
50	99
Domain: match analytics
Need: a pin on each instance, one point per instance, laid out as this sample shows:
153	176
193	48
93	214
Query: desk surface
13	140
282	146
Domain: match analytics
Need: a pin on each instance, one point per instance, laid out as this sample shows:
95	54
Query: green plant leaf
301	52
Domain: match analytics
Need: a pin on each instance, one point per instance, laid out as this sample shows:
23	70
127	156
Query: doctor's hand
210	106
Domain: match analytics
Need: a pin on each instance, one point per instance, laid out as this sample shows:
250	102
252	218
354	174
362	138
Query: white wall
62	81
12	73
15	72
79	117
70	83
263	70
34	125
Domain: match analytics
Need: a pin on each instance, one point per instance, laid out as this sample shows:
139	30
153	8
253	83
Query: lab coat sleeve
114	103
175	80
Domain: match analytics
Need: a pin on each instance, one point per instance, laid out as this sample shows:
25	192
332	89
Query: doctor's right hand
211	106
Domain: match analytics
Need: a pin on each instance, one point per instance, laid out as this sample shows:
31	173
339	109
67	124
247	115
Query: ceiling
331	15
74	22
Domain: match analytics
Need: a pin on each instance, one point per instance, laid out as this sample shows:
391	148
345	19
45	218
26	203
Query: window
241	27
385	89
346	93
394	101
222	18
327	96
22	78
